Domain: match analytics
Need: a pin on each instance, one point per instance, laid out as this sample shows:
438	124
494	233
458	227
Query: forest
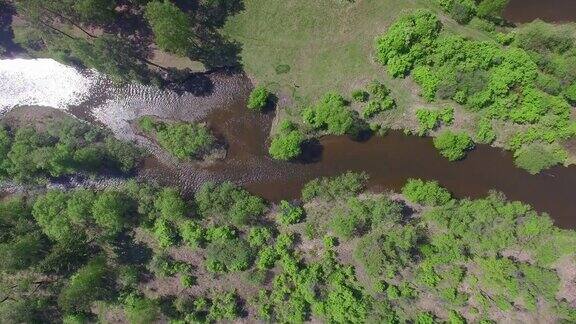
143	253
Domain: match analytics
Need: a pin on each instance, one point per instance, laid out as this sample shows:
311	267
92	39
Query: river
389	160
521	11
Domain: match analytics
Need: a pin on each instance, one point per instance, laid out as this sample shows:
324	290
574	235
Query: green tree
95	11
86	286
258	98
453	146
286	145
491	8
171	26
110	211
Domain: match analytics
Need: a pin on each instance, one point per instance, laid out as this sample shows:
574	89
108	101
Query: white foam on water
41	82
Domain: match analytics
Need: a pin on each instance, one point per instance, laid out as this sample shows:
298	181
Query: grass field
328	46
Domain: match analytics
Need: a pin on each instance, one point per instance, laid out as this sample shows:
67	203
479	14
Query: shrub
258	236
164	233
147	124
228	255
536	157
228	203
485	132
185	140
110	211
447	115
360	95
332	188
570	93
170	204
267	257
453	146
463	11
171	26
258	98
400	47
331	114
425	192
187	280
286	145
141	310
427	119
224	307
192	233
290	214
387	250
86	286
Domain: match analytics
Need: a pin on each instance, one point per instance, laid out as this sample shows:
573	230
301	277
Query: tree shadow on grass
131	252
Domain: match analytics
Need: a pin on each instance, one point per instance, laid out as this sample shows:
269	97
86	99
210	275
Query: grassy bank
304	49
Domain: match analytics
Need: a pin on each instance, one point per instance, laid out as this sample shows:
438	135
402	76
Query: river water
521	11
389	160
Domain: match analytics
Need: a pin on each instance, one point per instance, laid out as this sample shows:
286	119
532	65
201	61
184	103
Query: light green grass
329	46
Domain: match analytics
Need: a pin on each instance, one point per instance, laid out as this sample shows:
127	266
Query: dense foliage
62	148
287	144
330	114
524	86
258	98
120	38
183	140
81	254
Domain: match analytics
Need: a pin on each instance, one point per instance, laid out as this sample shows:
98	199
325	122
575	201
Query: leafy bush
332	188
453	146
228	203
147	124
185	140
405	41
570	93
360	95
141	310
224	307
192	233
290	214
385	252
228	255
164	233
286	145
86	286
536	157
427	119
258	98
485	132
330	114
427	193
110	211
258	236
171	26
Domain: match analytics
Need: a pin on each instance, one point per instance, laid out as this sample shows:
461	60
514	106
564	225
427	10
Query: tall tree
171	26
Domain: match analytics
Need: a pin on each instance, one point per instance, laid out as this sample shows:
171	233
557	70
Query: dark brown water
389	160
521	11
